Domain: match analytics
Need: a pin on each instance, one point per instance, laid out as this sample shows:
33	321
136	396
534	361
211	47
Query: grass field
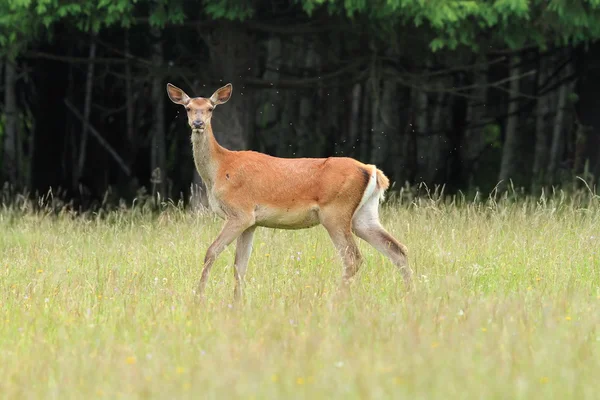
506	305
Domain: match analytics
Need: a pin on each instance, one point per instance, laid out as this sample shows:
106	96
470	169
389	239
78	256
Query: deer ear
177	95
220	96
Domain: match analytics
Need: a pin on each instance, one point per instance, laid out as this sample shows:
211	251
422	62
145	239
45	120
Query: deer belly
287	218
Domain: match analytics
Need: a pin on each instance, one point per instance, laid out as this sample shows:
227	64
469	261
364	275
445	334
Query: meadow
505	306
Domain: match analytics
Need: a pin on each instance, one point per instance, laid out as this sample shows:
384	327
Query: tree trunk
386	121
130	110
331	99
580	163
284	126
285	105
87	109
366	122
541	129
455	166
131	146
410	151
354	120
268	102
421	127
308	144
557	132
9	159
159	146
233	57
475	141
436	135
510	150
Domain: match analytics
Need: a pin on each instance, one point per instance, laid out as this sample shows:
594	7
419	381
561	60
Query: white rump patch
370	189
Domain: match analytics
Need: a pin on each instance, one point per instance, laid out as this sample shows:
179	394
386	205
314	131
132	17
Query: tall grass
505	306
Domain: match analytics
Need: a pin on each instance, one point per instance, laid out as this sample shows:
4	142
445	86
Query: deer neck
207	154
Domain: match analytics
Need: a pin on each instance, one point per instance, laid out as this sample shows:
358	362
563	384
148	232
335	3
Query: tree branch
459	90
451	70
124	54
87	108
100	139
71	59
280	28
309	28
300	83
510	52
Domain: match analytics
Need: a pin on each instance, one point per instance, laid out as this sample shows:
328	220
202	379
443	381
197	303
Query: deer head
199	109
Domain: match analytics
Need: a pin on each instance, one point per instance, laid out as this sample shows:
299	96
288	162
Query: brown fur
298	183
250	189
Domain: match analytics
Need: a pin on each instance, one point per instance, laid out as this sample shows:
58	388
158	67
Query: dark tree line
84	107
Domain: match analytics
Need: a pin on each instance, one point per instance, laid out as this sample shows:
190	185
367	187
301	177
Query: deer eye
210	109
187	109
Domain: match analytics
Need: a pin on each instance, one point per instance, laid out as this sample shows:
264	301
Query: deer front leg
231	230
242	256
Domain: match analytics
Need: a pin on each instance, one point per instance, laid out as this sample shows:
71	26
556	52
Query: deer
249	189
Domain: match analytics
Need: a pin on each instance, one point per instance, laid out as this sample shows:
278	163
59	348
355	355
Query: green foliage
492	135
453	23
166	11
16	26
445	24
229	9
573	98
22	21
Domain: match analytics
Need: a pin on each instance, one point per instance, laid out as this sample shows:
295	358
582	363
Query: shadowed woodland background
456	93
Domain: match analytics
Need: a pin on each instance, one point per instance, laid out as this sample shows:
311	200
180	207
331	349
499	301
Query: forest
463	96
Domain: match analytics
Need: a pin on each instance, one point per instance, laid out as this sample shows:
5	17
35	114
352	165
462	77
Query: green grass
506	306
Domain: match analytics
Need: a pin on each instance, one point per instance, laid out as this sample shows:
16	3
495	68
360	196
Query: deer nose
198	124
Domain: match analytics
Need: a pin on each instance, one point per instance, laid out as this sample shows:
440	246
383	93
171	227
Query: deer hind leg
366	225
231	230
242	256
340	232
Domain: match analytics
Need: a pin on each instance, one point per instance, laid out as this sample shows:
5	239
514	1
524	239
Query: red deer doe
249	189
